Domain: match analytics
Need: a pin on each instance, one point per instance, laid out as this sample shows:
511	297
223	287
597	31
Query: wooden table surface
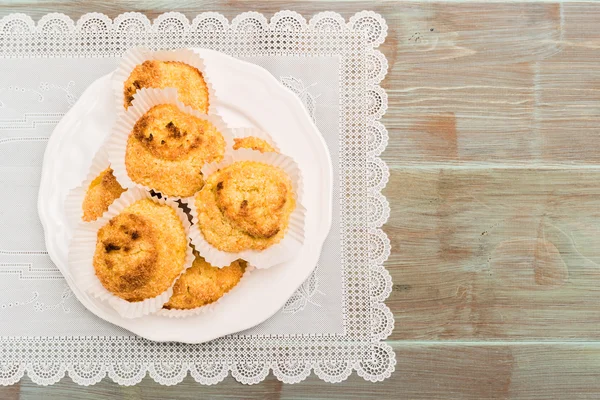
494	155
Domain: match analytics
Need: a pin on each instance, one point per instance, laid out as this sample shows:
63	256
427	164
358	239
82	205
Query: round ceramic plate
248	96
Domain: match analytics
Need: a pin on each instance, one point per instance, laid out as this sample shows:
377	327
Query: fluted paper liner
207	308
74	200
136	56
239	133
290	244
144	100
83	247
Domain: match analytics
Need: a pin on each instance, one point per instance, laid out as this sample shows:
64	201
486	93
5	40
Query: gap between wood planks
396	344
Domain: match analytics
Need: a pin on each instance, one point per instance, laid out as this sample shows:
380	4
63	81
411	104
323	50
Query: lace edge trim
379	368
57	23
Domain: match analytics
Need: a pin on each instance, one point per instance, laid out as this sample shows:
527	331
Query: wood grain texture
494	158
496	253
426	371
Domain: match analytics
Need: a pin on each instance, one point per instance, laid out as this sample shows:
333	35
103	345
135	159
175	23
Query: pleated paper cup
136	56
83	247
239	133
74	200
207	308
144	100
290	244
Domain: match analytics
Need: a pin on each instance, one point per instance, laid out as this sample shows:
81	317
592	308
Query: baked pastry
141	251
167	149
203	284
188	81
101	193
246	205
254	143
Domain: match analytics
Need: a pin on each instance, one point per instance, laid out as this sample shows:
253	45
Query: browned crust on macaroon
101	193
254	143
246	205
204	284
253	196
167	149
188	81
141	251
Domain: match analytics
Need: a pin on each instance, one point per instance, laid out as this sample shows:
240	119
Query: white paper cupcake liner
290	244
208	308
239	133
144	100
83	247
136	56
74	200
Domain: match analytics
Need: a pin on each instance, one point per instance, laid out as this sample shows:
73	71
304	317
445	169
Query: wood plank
454	102
10	392
476	34
498	371
462	84
503	253
581	39
425	371
447	113
567	112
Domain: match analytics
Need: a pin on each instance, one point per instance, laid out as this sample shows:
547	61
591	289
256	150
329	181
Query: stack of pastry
170	153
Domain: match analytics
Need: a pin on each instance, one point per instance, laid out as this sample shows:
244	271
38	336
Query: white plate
247	96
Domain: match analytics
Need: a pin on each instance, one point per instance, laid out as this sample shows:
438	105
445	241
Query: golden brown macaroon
167	149
188	81
141	251
101	193
246	205
204	284
254	143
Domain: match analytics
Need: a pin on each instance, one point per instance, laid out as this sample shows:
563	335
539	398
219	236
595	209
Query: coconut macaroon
202	284
141	251
187	79
254	143
245	206
100	194
167	149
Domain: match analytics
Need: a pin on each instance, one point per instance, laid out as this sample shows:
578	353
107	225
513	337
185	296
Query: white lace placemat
335	323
